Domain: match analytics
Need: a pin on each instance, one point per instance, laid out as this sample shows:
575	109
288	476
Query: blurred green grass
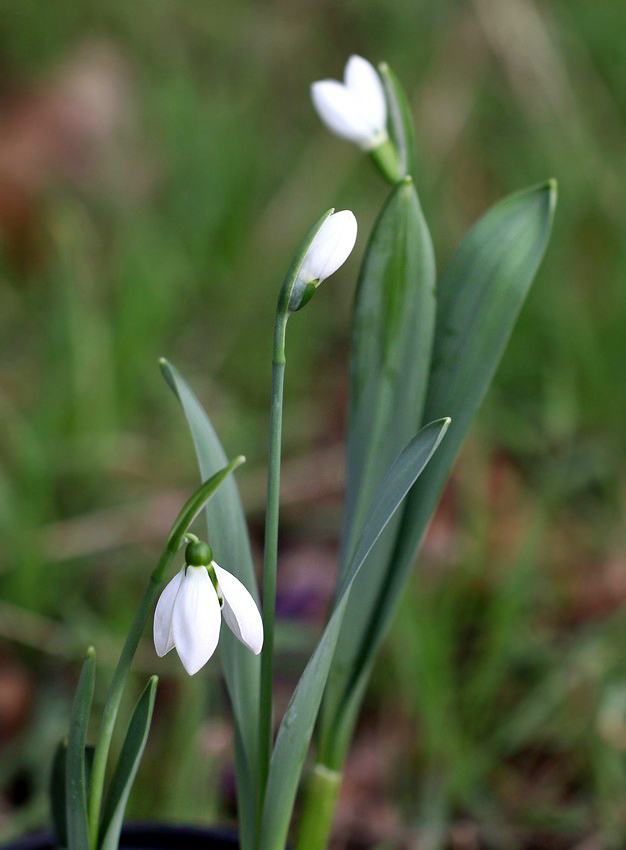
171	234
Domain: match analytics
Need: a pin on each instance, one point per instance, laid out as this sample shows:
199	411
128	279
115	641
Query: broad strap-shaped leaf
126	769
296	728
228	537
479	296
75	768
392	334
401	120
481	293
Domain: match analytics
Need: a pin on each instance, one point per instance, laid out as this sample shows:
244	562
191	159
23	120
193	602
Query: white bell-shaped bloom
355	109
189	612
330	248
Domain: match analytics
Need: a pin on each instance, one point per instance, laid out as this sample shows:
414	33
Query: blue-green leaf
297	725
126	769
228	537
392	334
75	768
479	297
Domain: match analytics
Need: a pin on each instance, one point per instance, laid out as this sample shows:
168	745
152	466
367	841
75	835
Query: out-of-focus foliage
158	164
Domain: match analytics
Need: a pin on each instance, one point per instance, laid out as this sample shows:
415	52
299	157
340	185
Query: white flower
355	109
189	612
330	248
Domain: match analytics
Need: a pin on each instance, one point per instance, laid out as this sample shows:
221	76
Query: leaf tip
90	654
553	190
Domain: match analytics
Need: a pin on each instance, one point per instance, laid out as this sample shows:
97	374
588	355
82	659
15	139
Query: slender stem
114	695
271	547
316	819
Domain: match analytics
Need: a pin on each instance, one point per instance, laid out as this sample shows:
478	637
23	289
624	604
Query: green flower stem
114	696
271	545
385	158
319	807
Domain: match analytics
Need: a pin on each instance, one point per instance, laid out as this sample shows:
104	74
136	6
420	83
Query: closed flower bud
330	248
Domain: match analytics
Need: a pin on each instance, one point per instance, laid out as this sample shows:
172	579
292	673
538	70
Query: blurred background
159	164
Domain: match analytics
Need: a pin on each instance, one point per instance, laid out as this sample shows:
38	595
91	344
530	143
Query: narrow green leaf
197	502
58	797
228	537
75	769
479	297
296	728
126	769
58	805
401	120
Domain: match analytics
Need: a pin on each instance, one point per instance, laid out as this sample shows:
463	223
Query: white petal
196	620
330	248
365	86
240	611
163	639
339	111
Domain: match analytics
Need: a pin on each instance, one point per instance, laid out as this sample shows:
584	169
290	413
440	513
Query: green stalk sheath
114	695
271	547
319	807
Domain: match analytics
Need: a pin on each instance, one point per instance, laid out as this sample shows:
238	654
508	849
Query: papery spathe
355	109
330	248
189	612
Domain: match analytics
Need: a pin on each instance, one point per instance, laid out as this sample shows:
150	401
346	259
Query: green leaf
58	797
401	120
197	502
392	335
58	806
228	537
479	297
127	766
296	728
481	293
75	768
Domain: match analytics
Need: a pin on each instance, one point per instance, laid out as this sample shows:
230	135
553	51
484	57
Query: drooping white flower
330	248
189	612
355	109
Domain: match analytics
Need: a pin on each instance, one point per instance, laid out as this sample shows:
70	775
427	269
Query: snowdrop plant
424	349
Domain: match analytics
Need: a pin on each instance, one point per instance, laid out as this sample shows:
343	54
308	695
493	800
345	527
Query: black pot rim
148	836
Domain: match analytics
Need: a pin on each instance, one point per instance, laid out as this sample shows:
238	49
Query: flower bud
356	109
330	248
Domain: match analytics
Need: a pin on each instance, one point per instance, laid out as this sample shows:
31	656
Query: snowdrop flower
356	109
189	611
330	248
